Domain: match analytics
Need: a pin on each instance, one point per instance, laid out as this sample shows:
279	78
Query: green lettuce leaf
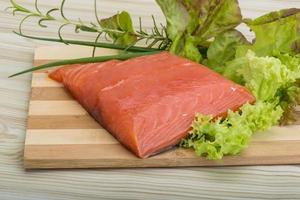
275	32
275	83
274	79
223	49
216	138
264	76
231	69
184	45
269	68
191	51
277	35
121	22
292	62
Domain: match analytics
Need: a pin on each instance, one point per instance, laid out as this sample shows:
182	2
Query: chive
85	60
87	43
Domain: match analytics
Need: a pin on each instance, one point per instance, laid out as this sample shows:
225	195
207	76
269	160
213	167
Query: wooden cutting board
61	134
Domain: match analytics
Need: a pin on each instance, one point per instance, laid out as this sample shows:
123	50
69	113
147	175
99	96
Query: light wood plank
42	80
68	136
101	136
114	155
282	133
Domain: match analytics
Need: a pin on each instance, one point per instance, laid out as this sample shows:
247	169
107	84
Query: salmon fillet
148	103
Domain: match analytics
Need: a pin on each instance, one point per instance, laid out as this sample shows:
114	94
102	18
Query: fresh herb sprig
118	28
158	36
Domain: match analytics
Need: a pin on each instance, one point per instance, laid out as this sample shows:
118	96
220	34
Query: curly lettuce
277	78
273	84
268	77
264	76
216	138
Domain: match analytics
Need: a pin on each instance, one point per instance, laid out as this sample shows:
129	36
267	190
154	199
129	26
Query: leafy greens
191	24
123	23
216	138
269	68
204	31
265	77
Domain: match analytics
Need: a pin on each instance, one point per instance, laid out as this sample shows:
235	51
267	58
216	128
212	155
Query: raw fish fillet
148	103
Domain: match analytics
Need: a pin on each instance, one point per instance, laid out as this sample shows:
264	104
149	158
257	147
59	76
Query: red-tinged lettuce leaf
272	16
290	99
120	22
182	19
181	15
191	24
275	32
290	95
220	16
202	19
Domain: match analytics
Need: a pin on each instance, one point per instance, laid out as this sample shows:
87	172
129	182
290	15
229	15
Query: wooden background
264	182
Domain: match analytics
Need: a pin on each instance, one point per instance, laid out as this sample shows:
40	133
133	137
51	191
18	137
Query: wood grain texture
50	93
69	136
80	145
256	182
62	122
115	156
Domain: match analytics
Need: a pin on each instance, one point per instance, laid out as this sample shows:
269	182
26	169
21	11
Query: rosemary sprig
118	27
124	56
156	36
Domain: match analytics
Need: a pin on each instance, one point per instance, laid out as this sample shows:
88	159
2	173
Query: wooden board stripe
87	122
71	107
285	133
101	136
42	80
56	108
46	109
62	122
69	136
70	156
50	94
